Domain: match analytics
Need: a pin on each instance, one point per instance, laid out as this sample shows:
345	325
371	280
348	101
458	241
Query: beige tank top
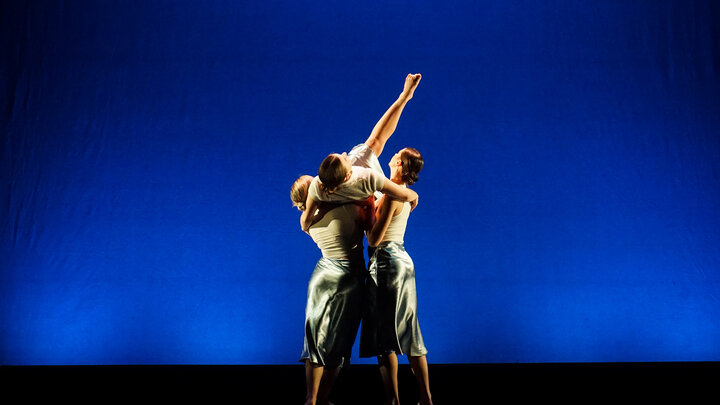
396	230
338	234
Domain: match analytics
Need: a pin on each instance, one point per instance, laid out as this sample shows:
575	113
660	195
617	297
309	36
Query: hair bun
412	177
412	162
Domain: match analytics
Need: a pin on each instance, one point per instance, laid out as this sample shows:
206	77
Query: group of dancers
351	199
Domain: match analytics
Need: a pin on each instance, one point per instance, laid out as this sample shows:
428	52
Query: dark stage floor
577	383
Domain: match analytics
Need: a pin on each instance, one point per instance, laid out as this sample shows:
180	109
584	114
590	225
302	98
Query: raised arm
388	122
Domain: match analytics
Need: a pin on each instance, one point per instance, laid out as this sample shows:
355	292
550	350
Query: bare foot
411	83
425	401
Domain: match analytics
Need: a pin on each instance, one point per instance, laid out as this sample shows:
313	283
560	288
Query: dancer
333	309
334	294
390	325
358	175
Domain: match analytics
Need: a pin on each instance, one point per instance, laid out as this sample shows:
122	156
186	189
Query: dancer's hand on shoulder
414	204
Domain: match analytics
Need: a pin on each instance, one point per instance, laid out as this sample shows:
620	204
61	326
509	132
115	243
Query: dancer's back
339	234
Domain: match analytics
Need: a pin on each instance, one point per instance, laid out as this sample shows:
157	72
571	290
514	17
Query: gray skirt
390	323
333	311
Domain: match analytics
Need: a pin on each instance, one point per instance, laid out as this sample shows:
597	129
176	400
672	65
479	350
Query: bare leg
389	372
420	369
313	375
388	122
328	379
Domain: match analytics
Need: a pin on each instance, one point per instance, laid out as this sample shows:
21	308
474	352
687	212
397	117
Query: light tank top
396	230
338	234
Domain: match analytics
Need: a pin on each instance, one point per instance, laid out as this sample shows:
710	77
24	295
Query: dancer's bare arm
385	211
400	193
385	127
390	189
308	216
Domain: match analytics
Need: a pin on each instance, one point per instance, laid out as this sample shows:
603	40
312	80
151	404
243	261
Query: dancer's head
334	171
408	162
299	190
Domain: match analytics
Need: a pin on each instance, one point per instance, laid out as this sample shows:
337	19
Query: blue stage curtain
568	205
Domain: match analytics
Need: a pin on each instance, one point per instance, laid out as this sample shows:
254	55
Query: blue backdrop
568	205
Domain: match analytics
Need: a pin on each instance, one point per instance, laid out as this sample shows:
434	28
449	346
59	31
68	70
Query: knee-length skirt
333	311
390	322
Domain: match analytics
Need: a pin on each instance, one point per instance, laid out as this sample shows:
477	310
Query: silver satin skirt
333	310
390	323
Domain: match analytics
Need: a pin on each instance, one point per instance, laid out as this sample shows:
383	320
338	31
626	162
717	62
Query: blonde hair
299	191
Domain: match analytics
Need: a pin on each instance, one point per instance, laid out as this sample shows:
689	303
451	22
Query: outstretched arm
388	122
400	193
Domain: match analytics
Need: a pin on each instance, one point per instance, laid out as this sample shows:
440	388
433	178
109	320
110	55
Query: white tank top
396	230
338	234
